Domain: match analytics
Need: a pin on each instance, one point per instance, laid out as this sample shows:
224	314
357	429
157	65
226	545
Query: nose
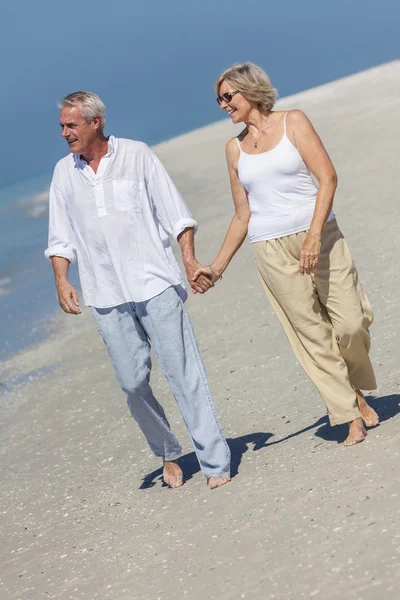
224	104
64	131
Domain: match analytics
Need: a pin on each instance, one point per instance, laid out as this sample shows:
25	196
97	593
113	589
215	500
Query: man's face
76	131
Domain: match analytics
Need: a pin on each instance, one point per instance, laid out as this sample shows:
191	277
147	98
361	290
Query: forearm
186	242
233	240
60	268
323	206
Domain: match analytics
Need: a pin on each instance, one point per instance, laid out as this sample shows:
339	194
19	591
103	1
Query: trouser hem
218	475
346	419
174	456
367	388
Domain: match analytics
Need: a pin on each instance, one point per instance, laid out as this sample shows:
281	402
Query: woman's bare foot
357	432
369	416
216	482
172	474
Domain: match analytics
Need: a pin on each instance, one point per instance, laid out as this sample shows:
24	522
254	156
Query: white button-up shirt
117	223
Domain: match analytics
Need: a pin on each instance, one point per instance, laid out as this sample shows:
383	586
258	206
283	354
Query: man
112	207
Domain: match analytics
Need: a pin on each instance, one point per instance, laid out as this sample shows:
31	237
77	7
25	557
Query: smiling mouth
230	112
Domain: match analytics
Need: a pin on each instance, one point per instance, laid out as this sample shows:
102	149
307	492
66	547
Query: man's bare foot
216	482
369	416
172	474
357	432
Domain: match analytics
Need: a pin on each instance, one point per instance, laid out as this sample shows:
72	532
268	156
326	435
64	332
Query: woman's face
238	108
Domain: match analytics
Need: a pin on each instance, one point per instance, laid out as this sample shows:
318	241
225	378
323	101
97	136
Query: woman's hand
209	272
309	254
199	282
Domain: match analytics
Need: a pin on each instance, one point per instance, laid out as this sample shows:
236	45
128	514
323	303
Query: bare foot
357	432
216	482
172	474
369	416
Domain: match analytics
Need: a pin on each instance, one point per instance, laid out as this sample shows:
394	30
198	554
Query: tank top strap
284	124
238	143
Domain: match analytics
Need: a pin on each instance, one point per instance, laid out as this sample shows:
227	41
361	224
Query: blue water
155	64
27	293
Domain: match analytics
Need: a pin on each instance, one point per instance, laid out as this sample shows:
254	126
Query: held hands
199	277
209	272
68	298
309	254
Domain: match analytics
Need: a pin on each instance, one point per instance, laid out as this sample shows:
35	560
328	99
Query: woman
301	256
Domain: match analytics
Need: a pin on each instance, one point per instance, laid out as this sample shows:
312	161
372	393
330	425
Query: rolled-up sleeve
61	235
171	209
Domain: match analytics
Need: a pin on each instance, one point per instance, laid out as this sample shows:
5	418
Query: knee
134	382
347	331
134	387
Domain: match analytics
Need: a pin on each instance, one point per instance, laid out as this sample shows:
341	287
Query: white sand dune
35	205
304	517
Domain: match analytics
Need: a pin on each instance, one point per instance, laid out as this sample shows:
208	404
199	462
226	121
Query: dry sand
84	514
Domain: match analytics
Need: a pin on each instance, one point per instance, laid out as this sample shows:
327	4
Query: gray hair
92	105
252	82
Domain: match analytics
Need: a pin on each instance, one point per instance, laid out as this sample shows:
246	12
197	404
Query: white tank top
281	191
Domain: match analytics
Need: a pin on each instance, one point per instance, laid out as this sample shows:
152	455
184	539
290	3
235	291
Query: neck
256	120
97	149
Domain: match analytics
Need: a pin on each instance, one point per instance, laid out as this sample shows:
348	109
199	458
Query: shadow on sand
387	407
190	466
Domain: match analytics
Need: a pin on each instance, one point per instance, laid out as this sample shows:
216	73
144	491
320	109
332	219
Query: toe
353	440
349	442
216	482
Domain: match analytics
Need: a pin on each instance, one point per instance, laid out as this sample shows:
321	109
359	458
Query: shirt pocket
128	195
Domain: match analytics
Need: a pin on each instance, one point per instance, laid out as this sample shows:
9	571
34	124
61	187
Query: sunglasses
227	97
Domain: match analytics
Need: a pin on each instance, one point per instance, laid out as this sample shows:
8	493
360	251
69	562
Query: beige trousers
325	316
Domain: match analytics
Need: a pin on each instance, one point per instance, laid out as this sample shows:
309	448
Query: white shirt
116	223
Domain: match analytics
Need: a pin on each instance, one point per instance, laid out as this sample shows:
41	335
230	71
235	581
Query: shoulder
133	145
299	127
63	166
296	118
232	149
136	154
64	162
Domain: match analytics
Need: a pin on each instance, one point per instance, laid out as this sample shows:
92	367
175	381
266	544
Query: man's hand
68	298
202	283
207	271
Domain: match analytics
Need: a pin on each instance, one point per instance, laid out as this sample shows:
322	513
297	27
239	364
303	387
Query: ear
96	122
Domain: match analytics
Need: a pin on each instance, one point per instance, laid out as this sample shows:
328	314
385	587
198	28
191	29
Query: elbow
62	251
330	180
242	223
182	225
243	217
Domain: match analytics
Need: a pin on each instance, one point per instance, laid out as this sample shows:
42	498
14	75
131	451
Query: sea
28	299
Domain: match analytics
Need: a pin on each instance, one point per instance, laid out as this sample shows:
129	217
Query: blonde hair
252	82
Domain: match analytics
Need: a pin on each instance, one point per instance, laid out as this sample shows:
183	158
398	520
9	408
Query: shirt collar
80	163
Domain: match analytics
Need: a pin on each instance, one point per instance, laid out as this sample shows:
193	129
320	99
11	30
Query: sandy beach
84	513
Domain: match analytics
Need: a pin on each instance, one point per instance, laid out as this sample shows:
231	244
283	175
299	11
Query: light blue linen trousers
128	330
